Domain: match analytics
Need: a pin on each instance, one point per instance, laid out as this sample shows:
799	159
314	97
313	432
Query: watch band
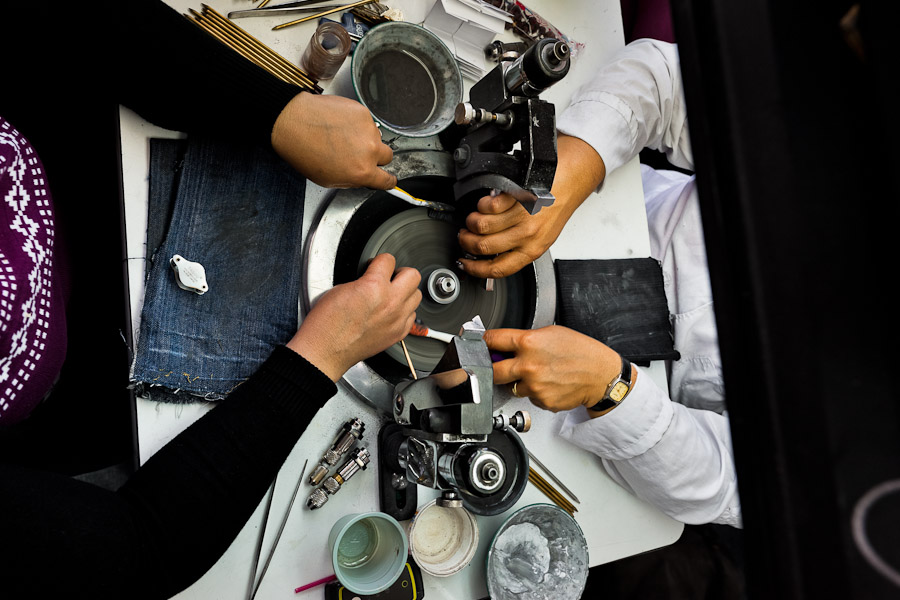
616	391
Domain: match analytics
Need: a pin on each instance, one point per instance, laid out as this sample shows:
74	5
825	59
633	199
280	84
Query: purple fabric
32	302
647	19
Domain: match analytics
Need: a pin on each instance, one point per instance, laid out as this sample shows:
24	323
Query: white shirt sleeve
676	454
634	102
674	457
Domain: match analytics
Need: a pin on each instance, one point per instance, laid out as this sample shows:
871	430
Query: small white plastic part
190	276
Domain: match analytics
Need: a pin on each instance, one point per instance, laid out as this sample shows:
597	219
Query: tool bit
359	460
352	431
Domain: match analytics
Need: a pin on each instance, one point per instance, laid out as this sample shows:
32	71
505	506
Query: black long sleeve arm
176	515
178	76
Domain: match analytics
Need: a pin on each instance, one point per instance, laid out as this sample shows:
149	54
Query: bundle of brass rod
551	492
251	48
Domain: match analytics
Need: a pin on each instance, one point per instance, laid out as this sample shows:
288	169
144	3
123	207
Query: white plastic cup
368	551
442	540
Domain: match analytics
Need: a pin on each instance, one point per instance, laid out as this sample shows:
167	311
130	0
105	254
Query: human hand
556	367
502	226
333	141
356	320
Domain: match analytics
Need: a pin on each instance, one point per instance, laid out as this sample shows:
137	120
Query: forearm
176	516
177	76
190	500
579	172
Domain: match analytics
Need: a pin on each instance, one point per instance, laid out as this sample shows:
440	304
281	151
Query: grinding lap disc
426	244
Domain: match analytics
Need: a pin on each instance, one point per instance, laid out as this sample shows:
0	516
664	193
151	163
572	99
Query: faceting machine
504	139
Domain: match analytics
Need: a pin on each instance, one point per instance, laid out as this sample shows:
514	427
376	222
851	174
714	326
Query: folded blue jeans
238	211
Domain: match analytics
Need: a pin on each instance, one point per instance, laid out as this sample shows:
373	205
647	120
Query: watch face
618	392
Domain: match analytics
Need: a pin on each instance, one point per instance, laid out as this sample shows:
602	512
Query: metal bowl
539	553
407	78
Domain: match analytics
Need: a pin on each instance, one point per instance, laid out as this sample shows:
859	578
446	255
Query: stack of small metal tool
351	432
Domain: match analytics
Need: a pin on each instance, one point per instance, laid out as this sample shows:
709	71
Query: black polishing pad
620	302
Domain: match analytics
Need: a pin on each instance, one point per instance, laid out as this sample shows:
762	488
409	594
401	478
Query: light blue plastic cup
368	551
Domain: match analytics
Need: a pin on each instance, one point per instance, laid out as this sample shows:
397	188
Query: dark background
794	134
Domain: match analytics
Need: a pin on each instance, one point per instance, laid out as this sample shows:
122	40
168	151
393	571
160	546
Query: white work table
612	224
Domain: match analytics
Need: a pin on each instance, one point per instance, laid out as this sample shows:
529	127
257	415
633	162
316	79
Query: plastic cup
368	551
442	540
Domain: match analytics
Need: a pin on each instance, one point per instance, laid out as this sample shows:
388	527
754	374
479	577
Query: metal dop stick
358	461
351	432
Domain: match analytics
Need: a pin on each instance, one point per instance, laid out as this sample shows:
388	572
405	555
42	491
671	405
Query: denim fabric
238	211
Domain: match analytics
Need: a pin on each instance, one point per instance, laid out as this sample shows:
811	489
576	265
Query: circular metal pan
429	245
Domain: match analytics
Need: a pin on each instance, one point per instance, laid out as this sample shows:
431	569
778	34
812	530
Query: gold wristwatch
616	391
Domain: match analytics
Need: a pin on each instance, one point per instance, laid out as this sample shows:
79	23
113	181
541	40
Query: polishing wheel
449	296
355	225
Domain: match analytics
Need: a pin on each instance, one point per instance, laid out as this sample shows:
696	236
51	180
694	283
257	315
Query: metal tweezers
282	9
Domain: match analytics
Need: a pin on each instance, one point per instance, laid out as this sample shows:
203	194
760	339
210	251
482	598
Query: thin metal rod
277	10
251	591
554	499
280	529
550	474
322	14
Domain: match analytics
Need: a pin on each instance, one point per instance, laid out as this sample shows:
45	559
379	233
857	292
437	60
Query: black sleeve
176	515
177	76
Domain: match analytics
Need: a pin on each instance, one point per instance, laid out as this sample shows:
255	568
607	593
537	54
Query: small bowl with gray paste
539	553
407	78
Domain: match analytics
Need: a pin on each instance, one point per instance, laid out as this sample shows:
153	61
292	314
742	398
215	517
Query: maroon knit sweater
32	294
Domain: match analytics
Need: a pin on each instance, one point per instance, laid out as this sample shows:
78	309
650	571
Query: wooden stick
412	369
322	14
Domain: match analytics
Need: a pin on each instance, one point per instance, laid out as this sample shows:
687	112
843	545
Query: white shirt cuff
629	430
